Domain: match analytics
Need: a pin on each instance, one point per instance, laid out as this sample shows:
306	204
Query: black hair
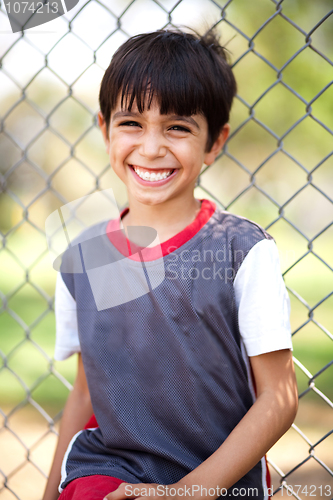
187	73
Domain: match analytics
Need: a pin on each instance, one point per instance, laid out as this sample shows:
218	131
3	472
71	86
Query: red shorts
90	488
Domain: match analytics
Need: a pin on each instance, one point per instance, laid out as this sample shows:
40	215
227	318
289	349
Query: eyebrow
188	119
121	114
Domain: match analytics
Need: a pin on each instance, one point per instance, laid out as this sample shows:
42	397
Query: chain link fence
276	169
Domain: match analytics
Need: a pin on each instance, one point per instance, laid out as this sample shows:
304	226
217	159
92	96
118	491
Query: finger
118	494
125	491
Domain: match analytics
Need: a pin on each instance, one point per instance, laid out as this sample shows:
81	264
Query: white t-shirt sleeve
67	337
262	301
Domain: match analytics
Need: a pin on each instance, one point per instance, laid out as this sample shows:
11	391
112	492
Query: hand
153	491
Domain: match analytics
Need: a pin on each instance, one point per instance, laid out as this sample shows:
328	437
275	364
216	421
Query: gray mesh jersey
166	371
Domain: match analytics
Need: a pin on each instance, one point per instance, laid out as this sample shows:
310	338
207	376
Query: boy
191	382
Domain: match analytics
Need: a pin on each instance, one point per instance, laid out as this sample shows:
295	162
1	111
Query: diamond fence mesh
276	169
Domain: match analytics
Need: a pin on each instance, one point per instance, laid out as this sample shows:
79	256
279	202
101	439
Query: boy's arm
77	412
267	420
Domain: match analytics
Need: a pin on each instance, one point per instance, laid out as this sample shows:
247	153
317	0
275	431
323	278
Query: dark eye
179	128
130	124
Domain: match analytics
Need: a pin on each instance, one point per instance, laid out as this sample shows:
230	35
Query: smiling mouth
152	175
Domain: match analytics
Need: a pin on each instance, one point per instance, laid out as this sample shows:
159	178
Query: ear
103	127
211	155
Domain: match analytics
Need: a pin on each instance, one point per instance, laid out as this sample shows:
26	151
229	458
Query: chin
150	200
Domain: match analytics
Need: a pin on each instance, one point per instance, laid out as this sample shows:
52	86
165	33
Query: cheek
186	151
116	150
194	156
121	146
195	148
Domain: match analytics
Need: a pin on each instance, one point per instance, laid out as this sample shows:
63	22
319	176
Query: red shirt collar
127	248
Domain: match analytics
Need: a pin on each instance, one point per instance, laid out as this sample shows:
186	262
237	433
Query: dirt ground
26	470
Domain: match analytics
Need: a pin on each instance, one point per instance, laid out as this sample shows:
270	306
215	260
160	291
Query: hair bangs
156	80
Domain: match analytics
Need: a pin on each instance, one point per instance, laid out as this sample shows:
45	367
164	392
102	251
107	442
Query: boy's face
158	157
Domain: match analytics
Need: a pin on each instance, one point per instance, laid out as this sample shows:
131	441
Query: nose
152	145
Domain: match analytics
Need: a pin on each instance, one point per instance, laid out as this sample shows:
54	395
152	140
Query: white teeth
152	176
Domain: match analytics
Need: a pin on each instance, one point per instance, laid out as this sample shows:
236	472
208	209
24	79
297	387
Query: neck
168	218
